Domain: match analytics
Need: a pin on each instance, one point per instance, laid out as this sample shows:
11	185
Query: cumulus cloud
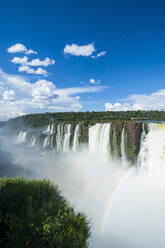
20	48
76	50
21	61
19	96
99	55
154	101
29	70
26	65
45	62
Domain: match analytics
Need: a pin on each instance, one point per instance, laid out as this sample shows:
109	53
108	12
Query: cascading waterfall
59	137
76	138
33	140
48	129
99	139
123	153
67	134
115	144
52	129
46	142
94	138
51	141
151	156
21	137
104	146
143	153
143	134
152	152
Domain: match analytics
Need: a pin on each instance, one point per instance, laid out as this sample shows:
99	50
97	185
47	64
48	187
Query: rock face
49	133
132	139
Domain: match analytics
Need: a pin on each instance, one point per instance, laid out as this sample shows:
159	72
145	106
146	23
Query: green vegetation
132	139
34	214
40	120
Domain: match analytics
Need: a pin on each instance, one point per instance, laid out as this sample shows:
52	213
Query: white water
50	129
46	142
33	140
152	152
99	140
21	137
76	138
59	137
115	144
67	133
123	153
126	210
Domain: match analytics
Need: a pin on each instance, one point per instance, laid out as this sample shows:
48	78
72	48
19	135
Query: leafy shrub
34	214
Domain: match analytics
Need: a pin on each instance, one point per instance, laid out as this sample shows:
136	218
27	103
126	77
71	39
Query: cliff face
49	133
132	139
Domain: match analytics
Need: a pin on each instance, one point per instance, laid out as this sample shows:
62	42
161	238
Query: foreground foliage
34	214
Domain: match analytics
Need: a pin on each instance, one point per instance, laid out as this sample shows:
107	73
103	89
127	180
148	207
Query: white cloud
21	61
8	95
122	107
20	48
93	81
29	70
99	55
45	62
76	50
154	101
35	62
30	51
19	97
26	65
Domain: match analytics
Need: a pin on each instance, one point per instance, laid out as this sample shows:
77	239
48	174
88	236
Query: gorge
112	170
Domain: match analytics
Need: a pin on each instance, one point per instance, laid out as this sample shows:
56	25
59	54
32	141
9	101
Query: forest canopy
40	120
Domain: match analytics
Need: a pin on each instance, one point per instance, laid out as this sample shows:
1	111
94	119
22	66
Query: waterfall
115	149
21	137
152	152
94	138
99	140
52	129
143	135
123	153
104	146
46	142
67	133
33	140
76	138
48	129
51	141
59	137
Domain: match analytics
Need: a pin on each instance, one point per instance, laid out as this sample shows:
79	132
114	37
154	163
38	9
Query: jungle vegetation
40	120
34	214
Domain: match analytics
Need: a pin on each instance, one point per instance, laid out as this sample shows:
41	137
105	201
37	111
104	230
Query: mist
125	206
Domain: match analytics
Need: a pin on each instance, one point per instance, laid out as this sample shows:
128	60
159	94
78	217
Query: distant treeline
39	120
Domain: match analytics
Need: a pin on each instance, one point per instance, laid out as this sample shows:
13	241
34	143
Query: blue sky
81	56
